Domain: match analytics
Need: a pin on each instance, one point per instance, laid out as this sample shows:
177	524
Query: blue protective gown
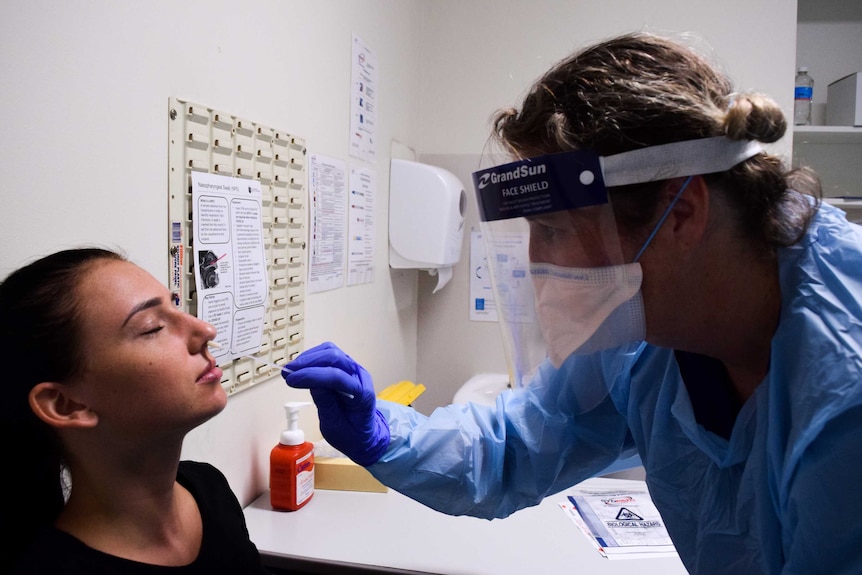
779	496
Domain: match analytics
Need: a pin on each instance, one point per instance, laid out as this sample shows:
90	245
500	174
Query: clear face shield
561	283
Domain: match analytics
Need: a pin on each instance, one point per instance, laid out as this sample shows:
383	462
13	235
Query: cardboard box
844	101
341	474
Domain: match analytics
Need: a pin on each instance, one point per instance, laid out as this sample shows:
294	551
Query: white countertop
396	534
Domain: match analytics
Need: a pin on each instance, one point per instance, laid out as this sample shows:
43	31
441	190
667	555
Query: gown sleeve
489	462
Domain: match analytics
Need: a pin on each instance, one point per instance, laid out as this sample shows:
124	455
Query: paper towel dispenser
426	218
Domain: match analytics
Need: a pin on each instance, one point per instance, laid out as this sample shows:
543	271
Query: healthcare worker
697	307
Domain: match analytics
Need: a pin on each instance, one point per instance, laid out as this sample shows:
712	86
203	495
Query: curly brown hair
641	90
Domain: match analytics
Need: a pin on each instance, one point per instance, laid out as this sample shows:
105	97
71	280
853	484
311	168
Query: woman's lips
211	375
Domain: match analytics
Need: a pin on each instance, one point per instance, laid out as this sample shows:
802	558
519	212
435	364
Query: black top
225	546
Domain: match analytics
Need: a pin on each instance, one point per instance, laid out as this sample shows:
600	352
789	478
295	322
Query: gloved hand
345	399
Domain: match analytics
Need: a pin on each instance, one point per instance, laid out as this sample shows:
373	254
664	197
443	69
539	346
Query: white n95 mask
583	310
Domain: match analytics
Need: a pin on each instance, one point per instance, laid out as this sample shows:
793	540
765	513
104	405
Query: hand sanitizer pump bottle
291	465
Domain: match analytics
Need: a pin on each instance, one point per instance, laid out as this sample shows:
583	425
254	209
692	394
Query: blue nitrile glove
345	399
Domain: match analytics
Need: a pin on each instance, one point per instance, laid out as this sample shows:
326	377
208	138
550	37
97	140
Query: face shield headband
527	207
576	179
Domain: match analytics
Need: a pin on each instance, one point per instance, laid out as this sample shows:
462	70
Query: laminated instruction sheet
230	263
620	521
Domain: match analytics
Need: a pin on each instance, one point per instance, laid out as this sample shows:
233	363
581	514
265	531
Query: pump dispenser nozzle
293	435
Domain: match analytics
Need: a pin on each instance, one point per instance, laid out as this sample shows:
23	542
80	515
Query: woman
745	397
107	379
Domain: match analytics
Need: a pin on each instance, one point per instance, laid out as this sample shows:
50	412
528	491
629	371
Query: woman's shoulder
830	236
199	471
226	547
207	484
210	488
823	272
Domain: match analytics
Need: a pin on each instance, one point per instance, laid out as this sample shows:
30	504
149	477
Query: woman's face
585	237
146	365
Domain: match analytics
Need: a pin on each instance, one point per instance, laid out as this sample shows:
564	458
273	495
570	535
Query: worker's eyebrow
152	302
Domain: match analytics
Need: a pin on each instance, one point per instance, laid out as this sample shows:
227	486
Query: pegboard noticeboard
210	141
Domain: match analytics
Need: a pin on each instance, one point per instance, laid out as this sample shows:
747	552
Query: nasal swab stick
282	369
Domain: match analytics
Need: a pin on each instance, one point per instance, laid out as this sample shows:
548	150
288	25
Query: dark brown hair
39	333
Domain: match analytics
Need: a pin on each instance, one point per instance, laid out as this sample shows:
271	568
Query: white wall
84	87
482	55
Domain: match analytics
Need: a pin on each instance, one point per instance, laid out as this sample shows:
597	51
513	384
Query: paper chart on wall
363	102
326	186
360	227
482	304
230	261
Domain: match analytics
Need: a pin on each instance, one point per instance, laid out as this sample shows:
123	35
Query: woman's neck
728	310
133	509
743	321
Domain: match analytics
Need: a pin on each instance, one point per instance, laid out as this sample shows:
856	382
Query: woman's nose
201	333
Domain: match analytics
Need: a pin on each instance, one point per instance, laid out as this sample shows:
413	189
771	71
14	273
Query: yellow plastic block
341	474
404	392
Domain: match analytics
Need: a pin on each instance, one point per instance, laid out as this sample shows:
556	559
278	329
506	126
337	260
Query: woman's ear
51	403
690	214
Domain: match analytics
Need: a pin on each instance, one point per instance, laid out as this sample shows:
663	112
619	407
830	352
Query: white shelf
845	203
850	206
827	135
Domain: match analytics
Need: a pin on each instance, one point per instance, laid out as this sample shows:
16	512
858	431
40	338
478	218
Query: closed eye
153	331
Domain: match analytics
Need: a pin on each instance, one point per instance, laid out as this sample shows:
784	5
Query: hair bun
754	116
